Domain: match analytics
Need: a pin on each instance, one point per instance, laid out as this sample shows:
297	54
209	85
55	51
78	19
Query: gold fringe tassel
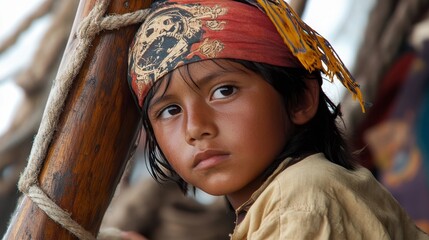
312	50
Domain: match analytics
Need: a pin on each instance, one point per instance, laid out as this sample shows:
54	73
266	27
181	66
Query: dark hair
320	134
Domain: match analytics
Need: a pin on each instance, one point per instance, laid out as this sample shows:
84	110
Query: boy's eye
169	111
223	92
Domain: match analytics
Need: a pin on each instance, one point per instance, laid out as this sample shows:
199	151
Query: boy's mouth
209	158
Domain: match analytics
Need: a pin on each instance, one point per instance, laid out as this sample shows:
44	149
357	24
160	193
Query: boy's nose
200	124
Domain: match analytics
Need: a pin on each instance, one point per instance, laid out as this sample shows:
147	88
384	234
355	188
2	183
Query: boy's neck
238	198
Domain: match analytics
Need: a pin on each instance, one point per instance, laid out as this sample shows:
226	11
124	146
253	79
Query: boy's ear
307	107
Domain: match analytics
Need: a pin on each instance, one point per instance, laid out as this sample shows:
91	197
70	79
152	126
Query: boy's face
220	126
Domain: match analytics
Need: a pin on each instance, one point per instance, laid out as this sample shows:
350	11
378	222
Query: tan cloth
316	199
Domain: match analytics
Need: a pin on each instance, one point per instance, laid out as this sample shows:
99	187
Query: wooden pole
298	6
93	139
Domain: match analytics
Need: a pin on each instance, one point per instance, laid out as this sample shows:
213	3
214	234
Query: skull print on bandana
173	29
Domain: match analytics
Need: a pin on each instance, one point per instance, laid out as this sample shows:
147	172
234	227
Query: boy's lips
209	158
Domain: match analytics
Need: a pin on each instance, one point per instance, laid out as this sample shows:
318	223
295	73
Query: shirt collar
246	205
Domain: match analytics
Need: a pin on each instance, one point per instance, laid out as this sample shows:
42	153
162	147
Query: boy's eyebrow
155	101
208	78
215	74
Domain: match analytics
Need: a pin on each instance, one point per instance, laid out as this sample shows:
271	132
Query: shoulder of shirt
316	170
316	181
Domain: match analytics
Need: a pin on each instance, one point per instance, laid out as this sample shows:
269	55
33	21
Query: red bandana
179	32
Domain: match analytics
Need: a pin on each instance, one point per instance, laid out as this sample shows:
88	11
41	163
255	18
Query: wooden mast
94	137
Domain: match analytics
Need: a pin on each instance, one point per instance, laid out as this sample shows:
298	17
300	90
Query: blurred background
384	43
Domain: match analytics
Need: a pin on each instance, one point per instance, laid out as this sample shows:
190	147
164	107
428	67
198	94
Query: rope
90	26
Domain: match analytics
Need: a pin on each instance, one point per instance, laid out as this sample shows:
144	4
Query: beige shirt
317	199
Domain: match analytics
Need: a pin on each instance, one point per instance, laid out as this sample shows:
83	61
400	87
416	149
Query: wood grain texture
94	137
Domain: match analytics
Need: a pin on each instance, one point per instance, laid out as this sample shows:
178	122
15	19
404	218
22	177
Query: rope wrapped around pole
29	184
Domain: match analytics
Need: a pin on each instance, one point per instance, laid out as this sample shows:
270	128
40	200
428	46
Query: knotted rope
88	29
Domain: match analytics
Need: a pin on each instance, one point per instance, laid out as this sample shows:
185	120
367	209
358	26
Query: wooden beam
298	6
93	139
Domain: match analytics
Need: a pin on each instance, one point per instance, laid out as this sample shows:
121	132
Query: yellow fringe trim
312	50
